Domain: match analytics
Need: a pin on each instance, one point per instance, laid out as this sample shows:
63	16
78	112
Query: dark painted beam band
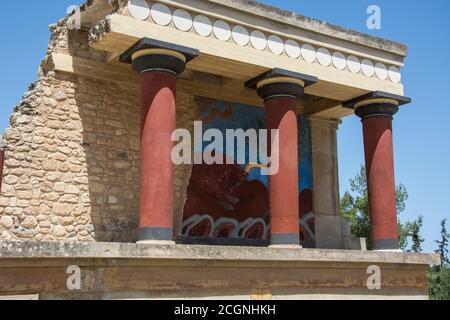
277	72
285	239
281	90
377	95
160	70
159	62
153	233
278	96
377	109
147	43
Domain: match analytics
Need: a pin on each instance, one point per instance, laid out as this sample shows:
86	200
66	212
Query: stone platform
129	271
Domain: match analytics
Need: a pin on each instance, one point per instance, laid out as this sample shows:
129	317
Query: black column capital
154	55
280	83
376	103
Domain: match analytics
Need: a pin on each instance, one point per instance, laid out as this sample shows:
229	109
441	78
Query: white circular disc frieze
324	57
339	60
182	20
139	9
381	71
308	53
276	45
292	48
240	35
394	74
161	14
258	40
353	64
367	67
222	30
203	25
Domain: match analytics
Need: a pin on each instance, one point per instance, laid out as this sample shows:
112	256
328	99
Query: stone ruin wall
72	155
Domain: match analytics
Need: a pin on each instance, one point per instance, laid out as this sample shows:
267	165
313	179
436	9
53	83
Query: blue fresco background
247	117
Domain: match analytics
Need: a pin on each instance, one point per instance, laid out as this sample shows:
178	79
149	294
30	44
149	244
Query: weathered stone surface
29	222
121	271
50	165
60	186
60	96
72	190
24	194
210	253
6	222
112	200
4	202
67	168
61	209
59	232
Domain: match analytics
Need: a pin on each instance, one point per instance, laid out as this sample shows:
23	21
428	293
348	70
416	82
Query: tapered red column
158	68
380	181
280	90
158	91
283	186
377	111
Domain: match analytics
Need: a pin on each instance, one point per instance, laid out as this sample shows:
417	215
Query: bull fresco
232	201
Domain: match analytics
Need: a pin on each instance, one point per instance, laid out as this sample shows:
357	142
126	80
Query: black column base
155	234
386	244
288	239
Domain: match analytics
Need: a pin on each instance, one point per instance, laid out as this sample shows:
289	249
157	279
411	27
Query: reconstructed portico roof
94	10
318	26
239	39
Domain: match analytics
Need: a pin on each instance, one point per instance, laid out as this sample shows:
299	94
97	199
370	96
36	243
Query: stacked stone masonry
72	155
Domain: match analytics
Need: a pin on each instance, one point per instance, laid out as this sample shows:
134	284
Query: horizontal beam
124	75
337	112
197	83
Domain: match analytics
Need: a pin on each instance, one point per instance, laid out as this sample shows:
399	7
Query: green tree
439	277
416	239
443	243
439	283
355	206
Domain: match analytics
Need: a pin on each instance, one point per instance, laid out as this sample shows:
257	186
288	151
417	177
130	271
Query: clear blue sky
421	130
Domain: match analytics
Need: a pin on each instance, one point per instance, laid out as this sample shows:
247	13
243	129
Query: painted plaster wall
224	201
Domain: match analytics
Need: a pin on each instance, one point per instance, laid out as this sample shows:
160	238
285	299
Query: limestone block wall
72	155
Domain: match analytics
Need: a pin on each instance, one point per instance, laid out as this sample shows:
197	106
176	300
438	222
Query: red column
281	90
376	109
380	181
158	64
158	116
283	186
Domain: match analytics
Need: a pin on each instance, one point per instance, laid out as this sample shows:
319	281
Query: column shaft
376	109
158	64
158	116
380	181
281	90
284	216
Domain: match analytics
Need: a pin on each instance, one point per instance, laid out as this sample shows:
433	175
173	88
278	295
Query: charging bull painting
231	201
